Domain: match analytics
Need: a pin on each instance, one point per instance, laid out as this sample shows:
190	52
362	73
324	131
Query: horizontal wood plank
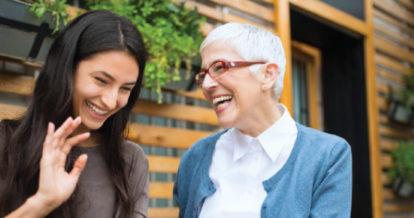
176	111
11	111
406	3
388	144
392	208
249	7
396	36
387	161
196	94
386	180
161	189
392	21
164	136
218	15
396	10
163	212
391	132
392	64
163	164
22	85
393	50
389	75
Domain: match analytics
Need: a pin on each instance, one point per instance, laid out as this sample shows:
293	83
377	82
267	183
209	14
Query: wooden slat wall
394	57
164	130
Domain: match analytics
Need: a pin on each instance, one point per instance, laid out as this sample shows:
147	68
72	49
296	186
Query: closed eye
100	80
126	89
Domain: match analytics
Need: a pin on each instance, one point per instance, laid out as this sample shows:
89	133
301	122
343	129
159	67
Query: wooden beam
332	15
165	212
372	109
392	21
161	189
395	36
22	85
220	16
11	111
176	111
393	50
396	66
387	161
392	132
282	26
163	164
407	4
249	7
399	12
164	136
389	76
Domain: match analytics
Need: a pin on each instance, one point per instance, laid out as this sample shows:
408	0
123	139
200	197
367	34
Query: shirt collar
273	139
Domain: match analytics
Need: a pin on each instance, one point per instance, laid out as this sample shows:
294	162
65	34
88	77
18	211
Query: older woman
264	164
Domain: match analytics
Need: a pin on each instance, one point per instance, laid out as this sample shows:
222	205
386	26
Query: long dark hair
89	34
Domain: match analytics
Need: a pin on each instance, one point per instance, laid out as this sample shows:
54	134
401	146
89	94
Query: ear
270	72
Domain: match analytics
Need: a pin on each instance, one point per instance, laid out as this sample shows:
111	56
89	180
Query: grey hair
253	44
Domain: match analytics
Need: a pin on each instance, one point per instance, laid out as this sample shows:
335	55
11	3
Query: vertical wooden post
282	26
372	111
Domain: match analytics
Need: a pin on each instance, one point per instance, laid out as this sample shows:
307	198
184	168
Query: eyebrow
111	78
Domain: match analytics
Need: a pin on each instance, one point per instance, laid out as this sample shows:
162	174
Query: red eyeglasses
219	67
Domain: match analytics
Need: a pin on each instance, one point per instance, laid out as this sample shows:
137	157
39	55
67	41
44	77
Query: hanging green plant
170	31
57	8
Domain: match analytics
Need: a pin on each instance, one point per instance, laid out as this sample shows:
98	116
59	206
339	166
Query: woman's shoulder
132	152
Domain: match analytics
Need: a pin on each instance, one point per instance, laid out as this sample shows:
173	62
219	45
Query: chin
225	123
93	126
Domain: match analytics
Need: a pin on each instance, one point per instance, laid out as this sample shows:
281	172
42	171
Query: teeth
221	98
95	109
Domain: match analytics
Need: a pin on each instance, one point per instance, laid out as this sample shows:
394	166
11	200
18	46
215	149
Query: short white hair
253	44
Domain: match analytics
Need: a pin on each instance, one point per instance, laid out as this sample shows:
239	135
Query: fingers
49	135
67	127
78	166
74	141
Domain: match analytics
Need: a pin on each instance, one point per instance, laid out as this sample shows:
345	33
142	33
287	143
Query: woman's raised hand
55	184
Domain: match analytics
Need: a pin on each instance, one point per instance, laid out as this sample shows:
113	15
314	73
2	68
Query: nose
110	98
209	82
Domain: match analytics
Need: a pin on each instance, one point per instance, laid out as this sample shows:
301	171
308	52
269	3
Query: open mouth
95	109
222	100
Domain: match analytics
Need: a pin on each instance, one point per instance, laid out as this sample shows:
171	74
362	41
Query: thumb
79	166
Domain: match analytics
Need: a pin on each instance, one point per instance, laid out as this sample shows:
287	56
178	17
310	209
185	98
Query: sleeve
333	196
179	194
140	185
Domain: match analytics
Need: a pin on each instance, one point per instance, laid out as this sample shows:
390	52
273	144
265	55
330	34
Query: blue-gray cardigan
316	180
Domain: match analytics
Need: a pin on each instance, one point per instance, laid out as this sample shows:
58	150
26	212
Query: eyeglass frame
226	65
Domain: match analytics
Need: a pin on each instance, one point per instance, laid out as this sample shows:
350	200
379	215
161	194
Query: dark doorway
344	96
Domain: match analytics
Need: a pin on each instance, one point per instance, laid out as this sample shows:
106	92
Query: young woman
66	156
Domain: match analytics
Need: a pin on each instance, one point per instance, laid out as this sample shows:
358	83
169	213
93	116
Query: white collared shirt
241	163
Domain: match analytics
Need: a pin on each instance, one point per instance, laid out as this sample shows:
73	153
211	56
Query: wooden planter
23	36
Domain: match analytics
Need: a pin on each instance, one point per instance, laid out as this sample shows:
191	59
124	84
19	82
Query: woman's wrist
42	205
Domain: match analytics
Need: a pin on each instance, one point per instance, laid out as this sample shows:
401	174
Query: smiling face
102	85
236	96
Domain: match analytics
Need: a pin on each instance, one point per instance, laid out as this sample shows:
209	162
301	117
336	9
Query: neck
261	119
93	139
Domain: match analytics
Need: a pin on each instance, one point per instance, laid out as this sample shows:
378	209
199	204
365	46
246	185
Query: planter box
23	36
399	113
403	189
